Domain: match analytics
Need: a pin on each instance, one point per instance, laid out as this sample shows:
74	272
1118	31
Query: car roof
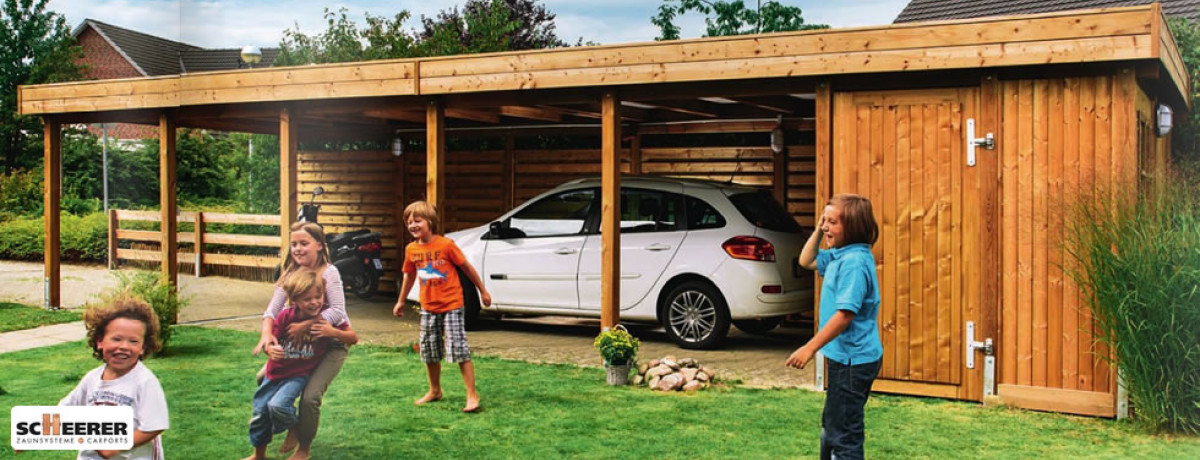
634	180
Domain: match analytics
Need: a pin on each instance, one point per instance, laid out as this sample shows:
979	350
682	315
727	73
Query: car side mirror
500	230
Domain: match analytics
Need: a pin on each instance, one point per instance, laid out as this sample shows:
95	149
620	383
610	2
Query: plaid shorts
444	335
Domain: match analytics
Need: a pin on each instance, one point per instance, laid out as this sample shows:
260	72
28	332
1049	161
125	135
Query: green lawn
555	411
15	317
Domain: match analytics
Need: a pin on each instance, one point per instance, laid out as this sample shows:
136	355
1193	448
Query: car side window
702	215
649	211
556	215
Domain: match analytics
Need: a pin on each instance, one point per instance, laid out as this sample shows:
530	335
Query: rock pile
670	374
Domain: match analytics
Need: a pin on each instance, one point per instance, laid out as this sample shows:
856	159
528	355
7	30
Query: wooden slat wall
1061	138
359	193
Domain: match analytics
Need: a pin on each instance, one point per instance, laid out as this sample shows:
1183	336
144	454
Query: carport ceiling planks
744	77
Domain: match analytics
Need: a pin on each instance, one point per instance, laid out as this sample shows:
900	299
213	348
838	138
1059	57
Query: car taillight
369	247
749	248
772	289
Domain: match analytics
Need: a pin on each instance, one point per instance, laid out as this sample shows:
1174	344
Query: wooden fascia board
1166	50
1117	34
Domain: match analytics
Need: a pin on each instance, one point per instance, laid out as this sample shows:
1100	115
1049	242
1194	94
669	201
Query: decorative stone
659	371
637	379
670	363
669	382
653	381
701	376
693	385
653	363
643	367
708	371
689	373
688	362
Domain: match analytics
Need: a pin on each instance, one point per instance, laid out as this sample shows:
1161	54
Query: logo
72	428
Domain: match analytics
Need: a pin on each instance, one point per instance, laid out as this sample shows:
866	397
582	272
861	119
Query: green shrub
1138	259
20	194
83	239
617	347
153	288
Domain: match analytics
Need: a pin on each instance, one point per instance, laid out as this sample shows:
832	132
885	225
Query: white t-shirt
139	389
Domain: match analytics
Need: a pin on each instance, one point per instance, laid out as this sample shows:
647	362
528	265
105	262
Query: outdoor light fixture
777	137
1164	119
251	55
397	146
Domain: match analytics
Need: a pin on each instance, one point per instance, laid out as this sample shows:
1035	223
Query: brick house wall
103	63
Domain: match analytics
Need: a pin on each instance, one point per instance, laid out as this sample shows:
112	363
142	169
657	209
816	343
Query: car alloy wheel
696	316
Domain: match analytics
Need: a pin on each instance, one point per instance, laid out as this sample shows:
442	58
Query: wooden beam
696	107
435	155
288	172
610	206
168	206
396	113
52	195
778	104
480	115
532	113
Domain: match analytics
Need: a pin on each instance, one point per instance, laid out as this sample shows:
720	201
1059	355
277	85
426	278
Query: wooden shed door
906	151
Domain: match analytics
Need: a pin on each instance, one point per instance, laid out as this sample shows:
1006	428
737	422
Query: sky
237	23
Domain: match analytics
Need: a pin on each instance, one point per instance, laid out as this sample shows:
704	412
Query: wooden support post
435	155
985	280
199	244
52	194
166	198
824	151
288	166
610	207
508	169
113	225
401	173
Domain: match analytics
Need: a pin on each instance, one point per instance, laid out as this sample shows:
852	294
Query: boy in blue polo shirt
848	334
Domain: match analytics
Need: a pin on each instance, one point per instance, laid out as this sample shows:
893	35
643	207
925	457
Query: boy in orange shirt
433	259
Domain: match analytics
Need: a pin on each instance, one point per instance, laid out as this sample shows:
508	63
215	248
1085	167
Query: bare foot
289	443
472	405
299	455
428	398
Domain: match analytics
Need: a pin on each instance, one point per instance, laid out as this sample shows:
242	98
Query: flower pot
618	374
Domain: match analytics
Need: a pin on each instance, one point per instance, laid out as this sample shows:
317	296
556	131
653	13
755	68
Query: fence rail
198	257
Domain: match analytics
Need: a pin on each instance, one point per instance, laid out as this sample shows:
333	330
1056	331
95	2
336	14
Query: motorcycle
356	253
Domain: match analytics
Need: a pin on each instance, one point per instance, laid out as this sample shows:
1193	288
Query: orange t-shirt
434	265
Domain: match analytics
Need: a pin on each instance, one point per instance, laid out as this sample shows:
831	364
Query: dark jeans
842	419
274	408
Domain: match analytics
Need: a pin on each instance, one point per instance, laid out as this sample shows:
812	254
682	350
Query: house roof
934	10
156	56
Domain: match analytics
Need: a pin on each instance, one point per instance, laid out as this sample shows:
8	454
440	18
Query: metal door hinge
989	364
987	142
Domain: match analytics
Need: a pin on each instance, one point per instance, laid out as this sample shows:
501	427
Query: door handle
658	247
565	251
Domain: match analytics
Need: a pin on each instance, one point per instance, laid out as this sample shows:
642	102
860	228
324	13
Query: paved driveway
236	304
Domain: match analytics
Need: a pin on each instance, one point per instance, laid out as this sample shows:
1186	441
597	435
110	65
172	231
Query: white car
696	256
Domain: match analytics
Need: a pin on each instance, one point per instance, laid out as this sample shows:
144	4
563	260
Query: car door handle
658	247
565	251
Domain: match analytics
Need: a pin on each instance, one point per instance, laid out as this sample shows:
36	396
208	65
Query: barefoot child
121	333
848	333
433	259
292	361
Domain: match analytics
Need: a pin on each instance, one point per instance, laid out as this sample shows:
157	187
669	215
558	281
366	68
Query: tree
731	18
37	48
487	26
481	26
1185	138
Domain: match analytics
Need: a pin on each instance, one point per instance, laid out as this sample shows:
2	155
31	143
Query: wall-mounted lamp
1164	119
777	141
251	55
397	146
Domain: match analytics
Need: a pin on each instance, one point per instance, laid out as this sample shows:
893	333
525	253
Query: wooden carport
1069	98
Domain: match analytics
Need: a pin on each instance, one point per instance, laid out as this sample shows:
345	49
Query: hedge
83	238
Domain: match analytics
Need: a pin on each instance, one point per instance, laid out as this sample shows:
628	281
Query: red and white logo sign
72	428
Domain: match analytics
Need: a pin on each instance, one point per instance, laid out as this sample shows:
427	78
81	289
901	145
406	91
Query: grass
556	411
16	317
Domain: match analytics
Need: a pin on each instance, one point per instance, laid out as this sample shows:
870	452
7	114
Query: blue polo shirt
849	283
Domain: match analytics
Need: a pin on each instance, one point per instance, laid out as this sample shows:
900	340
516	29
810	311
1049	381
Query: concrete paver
42	337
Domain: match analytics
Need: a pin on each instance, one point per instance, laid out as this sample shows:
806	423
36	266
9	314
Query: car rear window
761	209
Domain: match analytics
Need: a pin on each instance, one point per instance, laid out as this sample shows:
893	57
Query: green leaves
731	18
617	346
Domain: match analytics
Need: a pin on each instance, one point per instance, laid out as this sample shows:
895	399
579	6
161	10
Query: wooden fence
197	256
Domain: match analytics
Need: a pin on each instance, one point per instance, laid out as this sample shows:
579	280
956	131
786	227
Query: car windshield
761	209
